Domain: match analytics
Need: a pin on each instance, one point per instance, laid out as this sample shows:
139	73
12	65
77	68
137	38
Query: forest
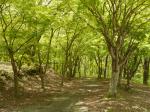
74	55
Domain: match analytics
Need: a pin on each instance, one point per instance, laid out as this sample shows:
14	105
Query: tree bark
40	71
105	70
79	69
128	81
146	71
64	68
85	70
120	76
99	65
114	78
15	71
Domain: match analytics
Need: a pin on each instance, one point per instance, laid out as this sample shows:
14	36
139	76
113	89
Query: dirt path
68	101
87	96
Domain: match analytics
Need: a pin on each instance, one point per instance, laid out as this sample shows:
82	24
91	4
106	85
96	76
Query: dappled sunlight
60	98
92	85
81	109
85	97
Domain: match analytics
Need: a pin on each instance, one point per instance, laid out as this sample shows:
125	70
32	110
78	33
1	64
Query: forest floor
87	95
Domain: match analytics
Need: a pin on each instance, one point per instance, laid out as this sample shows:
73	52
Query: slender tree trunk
63	75
105	70
64	68
146	71
99	64
49	49
120	76
99	72
15	71
62	78
42	77
101	67
76	66
128	80
79	69
114	78
41	74
125	73
85	70
42	81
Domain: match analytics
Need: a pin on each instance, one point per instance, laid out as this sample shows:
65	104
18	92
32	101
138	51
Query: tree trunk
41	74
128	81
99	72
85	70
99	64
105	70
99	69
62	76
114	78
42	82
79	69
120	76
15	71
146	71
42	77
64	68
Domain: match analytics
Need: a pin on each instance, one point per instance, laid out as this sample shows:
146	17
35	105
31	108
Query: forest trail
68	101
87	95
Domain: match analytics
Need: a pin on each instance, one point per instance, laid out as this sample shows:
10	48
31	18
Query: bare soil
87	95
